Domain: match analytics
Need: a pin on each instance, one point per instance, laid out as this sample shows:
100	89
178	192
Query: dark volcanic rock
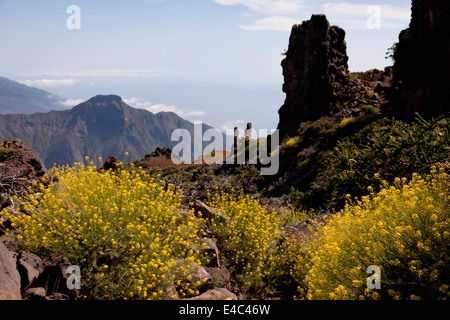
19	167
55	277
422	62
110	164
315	69
159	152
364	90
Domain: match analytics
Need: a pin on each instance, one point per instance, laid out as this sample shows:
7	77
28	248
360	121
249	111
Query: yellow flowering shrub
247	236
122	228
345	122
404	230
293	142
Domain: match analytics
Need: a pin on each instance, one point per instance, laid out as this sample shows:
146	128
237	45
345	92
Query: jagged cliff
422	63
317	82
314	70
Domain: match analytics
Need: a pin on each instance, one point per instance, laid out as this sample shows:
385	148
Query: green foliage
371	93
369	110
384	149
142	164
248	175
292	215
390	53
347	122
312	134
354	76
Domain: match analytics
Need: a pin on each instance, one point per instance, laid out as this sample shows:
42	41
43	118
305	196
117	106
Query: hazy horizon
216	61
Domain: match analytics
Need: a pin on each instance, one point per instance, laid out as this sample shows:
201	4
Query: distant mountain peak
103	125
95	104
111	98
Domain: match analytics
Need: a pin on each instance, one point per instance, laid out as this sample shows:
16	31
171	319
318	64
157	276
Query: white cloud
273	15
71	102
138	103
281	15
355	16
276	23
194	114
49	82
101	73
230	125
267	7
158	107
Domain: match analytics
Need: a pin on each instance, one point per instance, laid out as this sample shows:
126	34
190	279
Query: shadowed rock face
422	62
315	68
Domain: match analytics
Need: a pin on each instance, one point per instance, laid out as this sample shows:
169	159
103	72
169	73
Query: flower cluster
247	235
293	142
122	228
403	229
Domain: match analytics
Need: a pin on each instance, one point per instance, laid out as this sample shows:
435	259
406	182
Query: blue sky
217	61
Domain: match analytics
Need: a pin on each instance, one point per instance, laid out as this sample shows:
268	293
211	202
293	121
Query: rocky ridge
102	126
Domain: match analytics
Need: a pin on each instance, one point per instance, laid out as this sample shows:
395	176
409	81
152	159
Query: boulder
34	294
196	274
54	277
9	276
221	276
216	294
209	253
112	163
207	212
30	266
57	296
